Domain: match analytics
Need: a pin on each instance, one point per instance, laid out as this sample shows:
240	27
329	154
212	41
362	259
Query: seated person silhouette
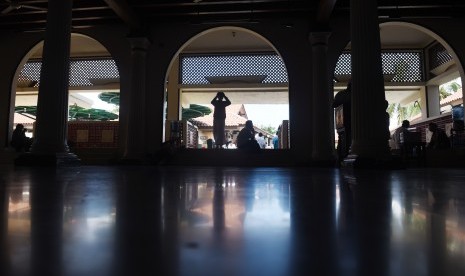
246	138
400	137
439	139
19	140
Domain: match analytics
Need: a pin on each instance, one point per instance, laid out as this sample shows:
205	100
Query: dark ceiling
27	15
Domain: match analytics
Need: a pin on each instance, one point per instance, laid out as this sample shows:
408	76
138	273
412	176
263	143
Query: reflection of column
136	141
4	261
373	216
219	219
323	146
437	247
46	198
218	208
52	104
141	235
369	118
347	240
313	228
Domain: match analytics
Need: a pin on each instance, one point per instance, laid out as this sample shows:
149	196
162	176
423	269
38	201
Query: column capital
319	38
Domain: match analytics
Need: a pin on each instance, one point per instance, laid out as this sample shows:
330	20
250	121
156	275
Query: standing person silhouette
220	102
344	98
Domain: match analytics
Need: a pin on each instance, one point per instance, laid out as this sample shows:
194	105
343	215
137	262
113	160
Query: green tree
443	93
269	129
404	112
448	89
453	86
391	109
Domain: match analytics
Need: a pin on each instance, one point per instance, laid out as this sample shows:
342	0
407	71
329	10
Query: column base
65	159
389	162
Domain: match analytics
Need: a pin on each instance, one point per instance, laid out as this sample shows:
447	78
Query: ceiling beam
125	12
325	8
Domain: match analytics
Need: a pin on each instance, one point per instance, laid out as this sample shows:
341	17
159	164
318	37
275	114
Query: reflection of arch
253	43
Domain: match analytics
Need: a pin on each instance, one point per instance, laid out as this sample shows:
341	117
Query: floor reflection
231	221
237	222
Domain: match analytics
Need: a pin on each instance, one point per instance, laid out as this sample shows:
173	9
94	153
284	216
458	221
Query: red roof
454	97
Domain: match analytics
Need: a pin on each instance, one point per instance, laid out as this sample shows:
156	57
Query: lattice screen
81	72
405	66
194	69
344	64
438	55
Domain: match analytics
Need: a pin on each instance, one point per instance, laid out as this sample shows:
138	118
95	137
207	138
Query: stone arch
256	36
432	34
82	45
423	37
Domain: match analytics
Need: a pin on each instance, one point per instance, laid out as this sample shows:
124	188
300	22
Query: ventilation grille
195	68
438	55
82	72
397	66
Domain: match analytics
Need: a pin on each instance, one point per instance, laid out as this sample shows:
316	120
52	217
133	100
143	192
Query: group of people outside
438	140
247	138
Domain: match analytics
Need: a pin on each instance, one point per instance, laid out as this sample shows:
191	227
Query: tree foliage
403	112
448	89
269	129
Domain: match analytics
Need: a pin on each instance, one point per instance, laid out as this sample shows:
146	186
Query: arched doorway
240	63
93	94
422	73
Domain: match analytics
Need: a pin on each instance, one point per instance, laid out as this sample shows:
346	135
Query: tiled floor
231	221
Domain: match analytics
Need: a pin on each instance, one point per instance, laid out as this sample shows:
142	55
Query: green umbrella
28	111
195	111
75	113
109	97
90	114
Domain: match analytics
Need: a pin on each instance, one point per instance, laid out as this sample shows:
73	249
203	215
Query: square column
136	142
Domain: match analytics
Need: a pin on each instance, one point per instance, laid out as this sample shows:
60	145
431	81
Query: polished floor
136	220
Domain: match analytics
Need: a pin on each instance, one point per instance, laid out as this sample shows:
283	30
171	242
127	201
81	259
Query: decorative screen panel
81	72
194	68
438	55
403	66
344	64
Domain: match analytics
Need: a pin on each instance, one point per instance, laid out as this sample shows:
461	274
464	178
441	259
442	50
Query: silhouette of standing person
220	102
344	98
